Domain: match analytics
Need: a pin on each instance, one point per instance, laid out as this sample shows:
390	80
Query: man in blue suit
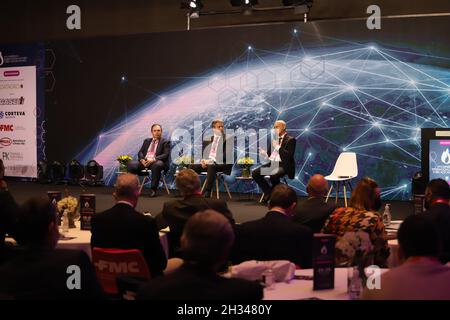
154	156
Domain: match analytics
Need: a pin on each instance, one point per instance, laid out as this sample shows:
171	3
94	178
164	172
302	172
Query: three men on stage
280	162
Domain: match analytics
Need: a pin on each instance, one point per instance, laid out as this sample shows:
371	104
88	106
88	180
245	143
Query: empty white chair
345	169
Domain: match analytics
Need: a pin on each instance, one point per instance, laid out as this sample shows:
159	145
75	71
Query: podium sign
323	261
87	209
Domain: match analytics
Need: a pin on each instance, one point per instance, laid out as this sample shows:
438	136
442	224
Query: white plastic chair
345	169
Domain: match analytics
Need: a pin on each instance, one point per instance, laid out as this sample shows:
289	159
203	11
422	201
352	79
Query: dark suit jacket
162	151
189	283
8	214
287	153
122	227
176	213
273	237
42	274
439	214
313	213
221	152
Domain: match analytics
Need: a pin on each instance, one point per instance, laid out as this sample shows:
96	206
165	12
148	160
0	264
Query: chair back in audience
111	263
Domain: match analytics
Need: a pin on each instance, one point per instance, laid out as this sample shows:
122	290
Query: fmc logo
7	127
5	142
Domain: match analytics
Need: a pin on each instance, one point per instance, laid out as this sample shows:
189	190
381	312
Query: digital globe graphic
361	98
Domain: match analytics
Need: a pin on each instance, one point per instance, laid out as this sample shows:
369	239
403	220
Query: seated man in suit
176	213
281	160
421	276
122	227
205	244
215	156
8	214
275	236
315	211
437	197
39	271
154	156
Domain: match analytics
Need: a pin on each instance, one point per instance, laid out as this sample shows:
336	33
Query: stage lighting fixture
94	173
246	5
194	7
58	172
76	171
43	172
300	6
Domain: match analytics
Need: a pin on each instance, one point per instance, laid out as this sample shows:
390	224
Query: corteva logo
11	114
6	127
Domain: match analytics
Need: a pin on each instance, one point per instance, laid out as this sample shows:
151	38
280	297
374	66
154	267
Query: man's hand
275	144
263	152
144	163
204	163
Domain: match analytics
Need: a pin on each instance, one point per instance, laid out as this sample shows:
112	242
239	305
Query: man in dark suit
122	227
154	156
275	236
216	156
315	211
281	160
8	213
176	213
437	197
39	271
205	244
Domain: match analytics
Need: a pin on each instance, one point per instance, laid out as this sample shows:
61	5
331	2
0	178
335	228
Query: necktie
152	147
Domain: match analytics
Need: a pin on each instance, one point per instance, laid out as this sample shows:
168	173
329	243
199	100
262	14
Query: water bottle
355	286
387	215
268	279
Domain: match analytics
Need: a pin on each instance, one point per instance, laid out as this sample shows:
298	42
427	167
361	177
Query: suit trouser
275	176
211	170
156	167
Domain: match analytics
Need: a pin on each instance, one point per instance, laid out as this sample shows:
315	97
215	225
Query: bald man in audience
314	211
280	162
123	227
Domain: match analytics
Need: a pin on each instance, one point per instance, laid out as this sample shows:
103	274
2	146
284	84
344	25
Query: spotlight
123	79
76	171
194	7
94	173
246	5
43	172
58	172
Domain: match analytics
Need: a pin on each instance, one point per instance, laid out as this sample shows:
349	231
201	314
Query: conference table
302	289
81	240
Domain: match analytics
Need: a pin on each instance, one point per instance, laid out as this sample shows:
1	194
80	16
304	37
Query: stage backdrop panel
339	86
18	145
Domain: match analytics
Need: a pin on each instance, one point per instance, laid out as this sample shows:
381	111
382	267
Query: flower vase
123	167
246	172
72	220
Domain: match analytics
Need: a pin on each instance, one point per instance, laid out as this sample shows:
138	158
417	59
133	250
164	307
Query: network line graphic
335	96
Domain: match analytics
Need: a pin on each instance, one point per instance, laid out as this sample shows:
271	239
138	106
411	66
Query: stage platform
245	207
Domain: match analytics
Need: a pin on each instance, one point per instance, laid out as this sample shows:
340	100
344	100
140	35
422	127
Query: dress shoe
152	194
